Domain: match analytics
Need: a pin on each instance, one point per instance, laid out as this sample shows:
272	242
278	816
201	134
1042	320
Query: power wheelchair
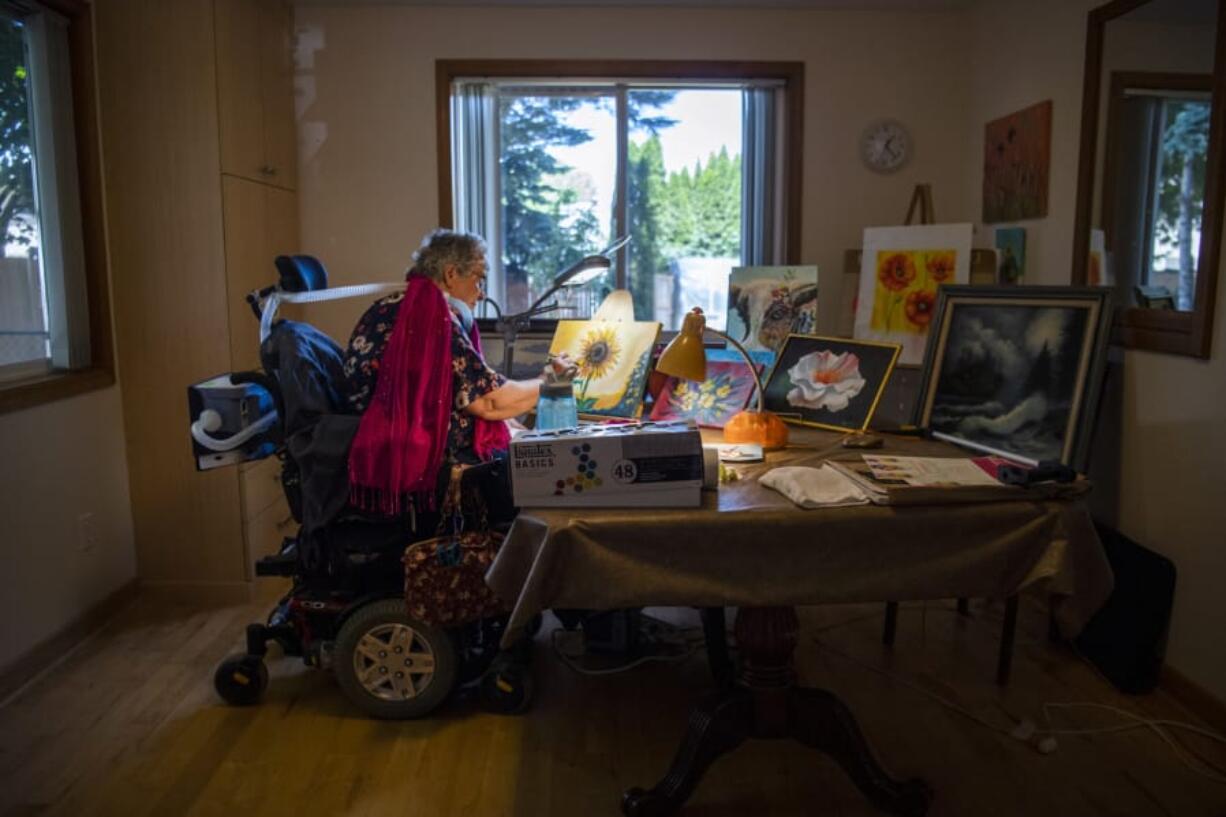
345	609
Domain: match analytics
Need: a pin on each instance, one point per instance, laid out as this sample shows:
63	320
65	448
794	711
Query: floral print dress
471	379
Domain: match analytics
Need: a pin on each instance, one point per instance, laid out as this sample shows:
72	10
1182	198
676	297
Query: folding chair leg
1007	637
891	623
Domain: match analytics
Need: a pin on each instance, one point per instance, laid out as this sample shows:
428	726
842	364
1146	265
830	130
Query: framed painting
614	359
832	383
900	271
1016	165
1016	371
766	304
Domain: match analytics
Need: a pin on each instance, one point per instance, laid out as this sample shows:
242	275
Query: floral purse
444	576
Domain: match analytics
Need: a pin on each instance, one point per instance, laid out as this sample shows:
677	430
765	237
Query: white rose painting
831	383
825	380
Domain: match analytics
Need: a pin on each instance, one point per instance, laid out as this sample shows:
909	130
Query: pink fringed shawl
402	436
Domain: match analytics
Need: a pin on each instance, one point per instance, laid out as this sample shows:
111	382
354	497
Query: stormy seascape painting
1011	376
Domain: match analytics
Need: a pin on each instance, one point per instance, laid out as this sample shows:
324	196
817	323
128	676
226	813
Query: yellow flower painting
614	358
906	290
901	270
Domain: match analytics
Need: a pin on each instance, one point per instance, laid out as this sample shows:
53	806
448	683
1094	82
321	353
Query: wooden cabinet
261	222
194	97
255	90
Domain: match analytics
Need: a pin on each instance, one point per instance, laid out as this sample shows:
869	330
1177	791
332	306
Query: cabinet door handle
268	170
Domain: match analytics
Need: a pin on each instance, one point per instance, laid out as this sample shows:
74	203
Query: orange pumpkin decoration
760	427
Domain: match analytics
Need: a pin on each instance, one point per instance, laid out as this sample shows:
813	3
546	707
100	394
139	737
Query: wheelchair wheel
392	666
506	687
241	679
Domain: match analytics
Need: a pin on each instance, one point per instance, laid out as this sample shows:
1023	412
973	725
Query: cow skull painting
766	304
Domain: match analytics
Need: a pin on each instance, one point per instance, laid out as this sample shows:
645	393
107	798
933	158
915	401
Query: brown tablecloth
750	546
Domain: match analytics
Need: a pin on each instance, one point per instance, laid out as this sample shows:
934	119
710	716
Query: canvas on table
765	304
1015	372
726	391
614	359
1011	244
1016	165
827	382
901	270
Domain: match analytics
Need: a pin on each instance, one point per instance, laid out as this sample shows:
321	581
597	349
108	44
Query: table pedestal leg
765	703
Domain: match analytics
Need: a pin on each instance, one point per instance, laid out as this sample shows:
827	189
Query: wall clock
885	146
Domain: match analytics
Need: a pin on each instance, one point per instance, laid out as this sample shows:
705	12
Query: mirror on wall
1149	198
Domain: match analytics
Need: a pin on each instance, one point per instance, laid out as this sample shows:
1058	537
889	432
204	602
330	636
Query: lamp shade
618	305
685	356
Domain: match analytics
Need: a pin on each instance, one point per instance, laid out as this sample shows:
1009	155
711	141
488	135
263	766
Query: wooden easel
921	199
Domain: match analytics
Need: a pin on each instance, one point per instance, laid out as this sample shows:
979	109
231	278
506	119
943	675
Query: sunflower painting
614	358
901	269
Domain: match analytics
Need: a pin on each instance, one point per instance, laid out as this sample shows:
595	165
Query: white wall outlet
87	533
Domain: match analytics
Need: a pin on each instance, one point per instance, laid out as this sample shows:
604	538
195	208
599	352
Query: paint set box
632	464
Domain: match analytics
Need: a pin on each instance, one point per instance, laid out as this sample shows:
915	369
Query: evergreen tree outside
17	202
539	240
669	215
1181	187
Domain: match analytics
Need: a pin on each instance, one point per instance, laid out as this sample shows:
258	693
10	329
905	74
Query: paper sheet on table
927	471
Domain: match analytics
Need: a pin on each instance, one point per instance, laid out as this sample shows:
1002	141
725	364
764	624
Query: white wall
59	461
1165	441
368	179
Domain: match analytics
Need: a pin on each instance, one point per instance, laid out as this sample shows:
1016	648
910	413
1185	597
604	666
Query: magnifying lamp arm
753	369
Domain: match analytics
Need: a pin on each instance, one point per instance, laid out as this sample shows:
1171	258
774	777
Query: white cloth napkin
814	487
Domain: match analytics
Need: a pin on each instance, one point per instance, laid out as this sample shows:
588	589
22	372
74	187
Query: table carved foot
718	724
823	722
766	704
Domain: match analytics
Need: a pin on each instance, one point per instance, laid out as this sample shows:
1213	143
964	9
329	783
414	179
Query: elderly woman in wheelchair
393	463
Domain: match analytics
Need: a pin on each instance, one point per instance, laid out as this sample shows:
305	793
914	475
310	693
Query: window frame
791	74
43	388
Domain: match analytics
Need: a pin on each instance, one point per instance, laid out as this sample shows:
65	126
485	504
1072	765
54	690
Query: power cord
655	632
1045	742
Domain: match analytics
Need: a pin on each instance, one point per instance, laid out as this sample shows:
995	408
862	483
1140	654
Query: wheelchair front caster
506	687
241	679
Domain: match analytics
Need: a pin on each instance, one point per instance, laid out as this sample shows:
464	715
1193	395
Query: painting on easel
901	268
614	359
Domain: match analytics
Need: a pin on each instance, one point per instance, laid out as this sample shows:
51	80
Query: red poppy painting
1016	164
901	270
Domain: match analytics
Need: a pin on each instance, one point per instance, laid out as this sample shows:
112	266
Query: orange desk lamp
686	357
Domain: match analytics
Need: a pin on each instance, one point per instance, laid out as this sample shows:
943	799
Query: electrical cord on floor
1044	741
653	631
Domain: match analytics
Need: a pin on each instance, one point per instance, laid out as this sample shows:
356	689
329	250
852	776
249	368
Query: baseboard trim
203	594
35	660
1198	700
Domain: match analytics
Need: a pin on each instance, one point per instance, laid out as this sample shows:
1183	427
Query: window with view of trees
551	171
44	323
1178	197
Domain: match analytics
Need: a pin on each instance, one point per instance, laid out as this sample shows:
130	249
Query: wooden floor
129	725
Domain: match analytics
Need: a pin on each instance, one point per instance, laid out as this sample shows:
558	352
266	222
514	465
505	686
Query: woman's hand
559	366
511	399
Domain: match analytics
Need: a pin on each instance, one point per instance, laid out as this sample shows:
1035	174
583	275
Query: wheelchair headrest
301	273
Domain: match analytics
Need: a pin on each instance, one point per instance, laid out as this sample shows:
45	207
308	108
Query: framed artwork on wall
832	383
1016	165
1016	371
